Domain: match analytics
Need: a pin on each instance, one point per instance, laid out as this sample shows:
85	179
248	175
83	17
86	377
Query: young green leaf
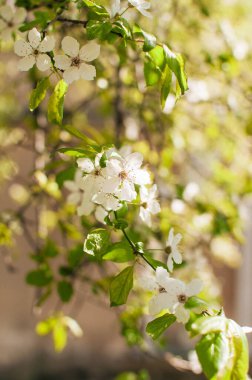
120	287
166	85
150	41
156	327
176	64
39	93
56	103
96	242
213	352
119	253
65	290
98	29
39	277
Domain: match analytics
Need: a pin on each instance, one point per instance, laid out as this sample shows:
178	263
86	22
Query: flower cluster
73	64
171	294
112	178
141	5
10	20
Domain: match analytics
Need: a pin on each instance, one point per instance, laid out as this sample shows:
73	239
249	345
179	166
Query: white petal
6	12
125	151
19	15
162	277
177	238
145	216
154	207
90	51
100	214
182	314
43	62
74	198
47	44
71	186
70	46
127	191
147	282
141	177
175	287
86	207
158	303
133	161
194	287
115	8
170	263
34	38
108	201
114	167
87	72
22	48
85	164
144	194
170	237
26	63
62	62
71	74
111	184
246	329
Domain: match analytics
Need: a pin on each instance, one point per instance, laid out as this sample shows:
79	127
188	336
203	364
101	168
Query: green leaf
65	175
195	302
119	253
155	263
156	327
150	41
65	290
122	28
75	152
39	93
95	11
56	103
176	64
213	353
75	256
120	287
165	85
39	277
50	249
205	325
240	352
98	29
96	242
151	74
92	145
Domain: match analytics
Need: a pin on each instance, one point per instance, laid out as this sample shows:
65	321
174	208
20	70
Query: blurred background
200	151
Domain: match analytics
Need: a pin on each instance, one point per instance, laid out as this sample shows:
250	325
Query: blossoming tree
104	188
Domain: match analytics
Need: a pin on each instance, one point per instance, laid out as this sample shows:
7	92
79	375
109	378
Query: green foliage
56	103
39	277
39	93
119	253
121	286
156	327
65	291
96	242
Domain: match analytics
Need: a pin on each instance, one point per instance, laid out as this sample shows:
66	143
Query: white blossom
94	175
123	174
10	20
109	201
73	63
172	295
172	248
142	6
34	51
75	188
149	204
115	8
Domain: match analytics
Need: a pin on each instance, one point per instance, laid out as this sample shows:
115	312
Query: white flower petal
177	257
71	74
85	164
108	201
86	207
133	161
26	63
6	12
144	194
115	8
170	237
19	16
141	177
127	191
170	263
34	38
145	216
47	44
90	51
175	287
70	46
246	329
159	303
154	207
100	214
147	282
22	48
71	186
182	314
87	72
43	62
194	287
162	277
74	198
62	62
111	184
